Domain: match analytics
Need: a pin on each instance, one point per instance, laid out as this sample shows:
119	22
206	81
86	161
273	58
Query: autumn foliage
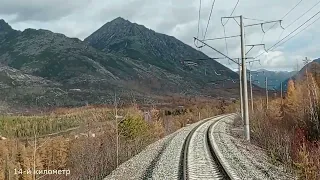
289	129
88	150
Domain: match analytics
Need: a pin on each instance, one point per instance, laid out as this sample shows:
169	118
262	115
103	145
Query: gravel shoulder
135	167
246	160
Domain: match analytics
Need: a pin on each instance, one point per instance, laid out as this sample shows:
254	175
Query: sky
180	18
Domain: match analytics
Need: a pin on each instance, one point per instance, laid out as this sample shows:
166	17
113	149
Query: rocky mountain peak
116	31
117	23
120	20
4	26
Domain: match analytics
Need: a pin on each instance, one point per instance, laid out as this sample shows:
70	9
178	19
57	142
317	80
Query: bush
133	126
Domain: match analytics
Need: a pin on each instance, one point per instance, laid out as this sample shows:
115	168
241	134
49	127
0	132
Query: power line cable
298	32
225	40
302	15
205	44
213	3
299	18
235	7
221	38
253	19
290	33
272	47
282	18
199	17
224	29
291	9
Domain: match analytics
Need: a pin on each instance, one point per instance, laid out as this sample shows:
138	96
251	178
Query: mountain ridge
151	47
313	67
274	77
139	62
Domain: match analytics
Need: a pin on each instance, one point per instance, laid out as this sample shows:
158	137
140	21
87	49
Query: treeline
27	126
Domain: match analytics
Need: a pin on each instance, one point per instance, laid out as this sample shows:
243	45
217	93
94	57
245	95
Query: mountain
274	77
68	62
137	42
312	67
51	69
5	29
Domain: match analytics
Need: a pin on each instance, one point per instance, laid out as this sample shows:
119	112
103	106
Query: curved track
198	159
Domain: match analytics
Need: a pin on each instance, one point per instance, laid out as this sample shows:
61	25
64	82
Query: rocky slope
68	62
135	41
120	56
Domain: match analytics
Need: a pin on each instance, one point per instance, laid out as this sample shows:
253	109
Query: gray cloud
179	18
39	10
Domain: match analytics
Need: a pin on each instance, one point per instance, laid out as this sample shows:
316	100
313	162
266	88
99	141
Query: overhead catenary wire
289	34
281	18
235	7
302	15
254	45
224	29
225	37
291	9
236	21
299	32
196	39
199	17
299	17
225	41
265	22
213	3
254	19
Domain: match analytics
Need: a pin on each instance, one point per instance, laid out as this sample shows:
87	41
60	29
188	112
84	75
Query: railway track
198	158
203	150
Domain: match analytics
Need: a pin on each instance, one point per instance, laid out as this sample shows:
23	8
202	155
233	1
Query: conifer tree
290	106
24	163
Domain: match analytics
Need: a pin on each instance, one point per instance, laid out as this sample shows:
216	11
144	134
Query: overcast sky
179	18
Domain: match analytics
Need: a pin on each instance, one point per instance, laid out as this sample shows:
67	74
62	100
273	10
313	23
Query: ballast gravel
161	160
201	165
166	151
246	160
135	167
168	165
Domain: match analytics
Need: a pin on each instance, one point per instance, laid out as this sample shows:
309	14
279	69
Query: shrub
133	126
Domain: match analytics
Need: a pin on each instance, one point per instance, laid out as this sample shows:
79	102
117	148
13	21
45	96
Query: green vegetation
133	126
24	126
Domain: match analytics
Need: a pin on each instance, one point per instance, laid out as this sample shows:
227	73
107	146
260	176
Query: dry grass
90	151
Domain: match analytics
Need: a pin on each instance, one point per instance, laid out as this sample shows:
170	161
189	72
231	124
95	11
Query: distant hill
313	67
121	57
274	77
